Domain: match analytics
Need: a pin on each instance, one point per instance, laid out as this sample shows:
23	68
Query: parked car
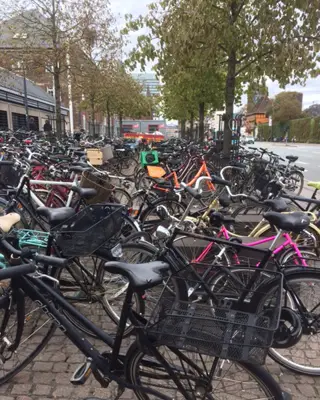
247	140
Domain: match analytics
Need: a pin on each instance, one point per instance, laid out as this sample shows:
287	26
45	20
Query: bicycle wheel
151	218
37	331
121	196
294	182
127	166
303	357
199	376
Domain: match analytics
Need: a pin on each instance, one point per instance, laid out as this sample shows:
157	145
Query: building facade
144	126
149	82
12	104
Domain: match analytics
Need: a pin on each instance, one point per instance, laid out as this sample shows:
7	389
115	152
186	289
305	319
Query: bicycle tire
307	276
45	338
152	225
121	196
135	364
300	179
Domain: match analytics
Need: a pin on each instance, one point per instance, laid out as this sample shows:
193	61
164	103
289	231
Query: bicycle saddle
140	276
79	153
56	216
293	222
278	205
85	193
8	221
292	158
224	200
217	219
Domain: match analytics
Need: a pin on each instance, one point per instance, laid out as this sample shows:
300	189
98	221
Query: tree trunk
201	122
57	93
191	125
120	124
109	121
93	112
183	128
229	100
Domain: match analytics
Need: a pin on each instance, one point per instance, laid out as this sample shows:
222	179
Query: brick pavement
47	378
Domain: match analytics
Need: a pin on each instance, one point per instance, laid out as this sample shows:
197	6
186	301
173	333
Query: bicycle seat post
126	307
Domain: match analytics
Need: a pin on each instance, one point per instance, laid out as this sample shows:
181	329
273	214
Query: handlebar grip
19	270
10	248
59	262
191	191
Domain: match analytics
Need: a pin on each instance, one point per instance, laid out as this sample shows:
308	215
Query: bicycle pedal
82	373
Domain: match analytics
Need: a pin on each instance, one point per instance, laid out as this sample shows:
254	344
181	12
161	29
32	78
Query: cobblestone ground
47	377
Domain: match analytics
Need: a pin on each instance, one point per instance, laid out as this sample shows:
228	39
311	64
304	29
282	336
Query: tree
312	111
286	106
51	35
247	39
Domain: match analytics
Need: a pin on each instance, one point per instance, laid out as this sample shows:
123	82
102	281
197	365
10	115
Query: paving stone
21	388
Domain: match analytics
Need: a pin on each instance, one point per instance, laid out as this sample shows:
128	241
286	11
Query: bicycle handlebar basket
89	229
9	174
234	329
100	183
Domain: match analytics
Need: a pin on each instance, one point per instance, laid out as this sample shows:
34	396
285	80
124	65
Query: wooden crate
95	156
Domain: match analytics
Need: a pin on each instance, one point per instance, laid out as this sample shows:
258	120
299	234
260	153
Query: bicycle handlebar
29	253
14	272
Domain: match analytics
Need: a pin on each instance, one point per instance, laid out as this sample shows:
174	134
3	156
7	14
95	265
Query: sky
311	90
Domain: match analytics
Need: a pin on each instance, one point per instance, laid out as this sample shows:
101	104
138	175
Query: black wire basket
9	174
234	325
94	226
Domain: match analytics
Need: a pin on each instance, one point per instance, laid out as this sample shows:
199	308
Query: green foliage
286	106
300	129
264	131
315	136
239	40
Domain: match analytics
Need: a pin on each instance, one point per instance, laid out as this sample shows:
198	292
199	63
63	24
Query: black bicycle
167	360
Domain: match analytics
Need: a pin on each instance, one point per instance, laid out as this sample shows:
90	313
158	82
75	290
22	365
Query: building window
152	128
50	91
19	121
127	128
3	120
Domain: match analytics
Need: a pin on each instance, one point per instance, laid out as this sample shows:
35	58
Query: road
309	157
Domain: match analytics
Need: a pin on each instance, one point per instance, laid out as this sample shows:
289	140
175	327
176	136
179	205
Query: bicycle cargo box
107	153
95	156
149	158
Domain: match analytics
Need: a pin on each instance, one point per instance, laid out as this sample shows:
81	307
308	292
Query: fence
304	130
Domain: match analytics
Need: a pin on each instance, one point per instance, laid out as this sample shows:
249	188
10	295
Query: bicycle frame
36	199
272	239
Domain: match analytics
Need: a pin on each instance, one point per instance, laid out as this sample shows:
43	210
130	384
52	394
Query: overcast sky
311	91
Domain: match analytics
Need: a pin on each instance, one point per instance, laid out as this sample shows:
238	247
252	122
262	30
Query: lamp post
25	97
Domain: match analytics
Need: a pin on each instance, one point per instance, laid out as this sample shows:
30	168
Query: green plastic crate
149	158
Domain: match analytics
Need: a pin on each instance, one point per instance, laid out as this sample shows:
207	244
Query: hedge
305	130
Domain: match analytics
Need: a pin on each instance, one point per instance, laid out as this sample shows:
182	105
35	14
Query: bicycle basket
89	229
101	184
9	174
235	329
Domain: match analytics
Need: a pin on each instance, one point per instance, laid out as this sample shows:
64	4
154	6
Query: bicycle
142	369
